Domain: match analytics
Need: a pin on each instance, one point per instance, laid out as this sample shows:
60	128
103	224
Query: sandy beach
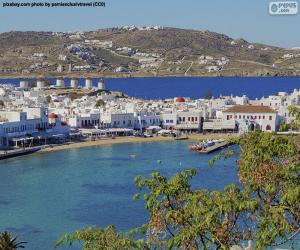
129	139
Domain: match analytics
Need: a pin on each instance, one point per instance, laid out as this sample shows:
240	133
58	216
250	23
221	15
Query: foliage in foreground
263	207
107	238
294	111
9	242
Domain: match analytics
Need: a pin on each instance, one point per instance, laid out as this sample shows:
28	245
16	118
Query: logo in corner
283	8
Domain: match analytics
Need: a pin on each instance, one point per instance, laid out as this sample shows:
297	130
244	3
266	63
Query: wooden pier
213	148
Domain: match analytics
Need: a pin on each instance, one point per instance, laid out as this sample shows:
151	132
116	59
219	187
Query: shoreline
53	76
103	142
126	140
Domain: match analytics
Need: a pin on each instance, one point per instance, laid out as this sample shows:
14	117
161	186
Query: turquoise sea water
43	196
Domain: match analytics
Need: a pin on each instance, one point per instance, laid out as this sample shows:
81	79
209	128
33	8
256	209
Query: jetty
215	147
16	153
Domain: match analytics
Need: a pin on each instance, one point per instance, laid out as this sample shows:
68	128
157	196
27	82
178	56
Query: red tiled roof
250	109
179	99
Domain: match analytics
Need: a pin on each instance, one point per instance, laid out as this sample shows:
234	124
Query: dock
21	152
213	148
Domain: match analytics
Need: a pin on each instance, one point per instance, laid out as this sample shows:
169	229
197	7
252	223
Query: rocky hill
140	52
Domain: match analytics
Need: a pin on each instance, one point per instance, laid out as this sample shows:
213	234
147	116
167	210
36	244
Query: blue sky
237	18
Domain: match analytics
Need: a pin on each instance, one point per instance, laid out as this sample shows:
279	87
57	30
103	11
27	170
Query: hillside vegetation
162	52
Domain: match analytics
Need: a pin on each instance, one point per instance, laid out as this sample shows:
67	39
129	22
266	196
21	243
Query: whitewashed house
145	119
117	120
84	120
249	117
182	120
21	124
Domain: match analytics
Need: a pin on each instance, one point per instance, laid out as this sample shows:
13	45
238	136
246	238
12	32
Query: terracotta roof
249	109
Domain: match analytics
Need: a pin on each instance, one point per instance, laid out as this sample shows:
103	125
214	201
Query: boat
195	147
209	143
218	141
206	145
181	138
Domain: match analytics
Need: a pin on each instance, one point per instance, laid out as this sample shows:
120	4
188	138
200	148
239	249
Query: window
270	118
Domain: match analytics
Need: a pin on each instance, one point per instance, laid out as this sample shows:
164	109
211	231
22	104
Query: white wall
261	119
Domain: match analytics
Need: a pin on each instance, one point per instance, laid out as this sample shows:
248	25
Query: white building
146	119
17	124
57	127
240	100
281	103
219	125
182	120
250	117
84	120
117	120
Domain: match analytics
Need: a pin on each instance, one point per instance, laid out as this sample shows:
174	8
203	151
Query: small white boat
209	143
218	141
181	138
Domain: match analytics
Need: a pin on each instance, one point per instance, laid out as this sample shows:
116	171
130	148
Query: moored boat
195	147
